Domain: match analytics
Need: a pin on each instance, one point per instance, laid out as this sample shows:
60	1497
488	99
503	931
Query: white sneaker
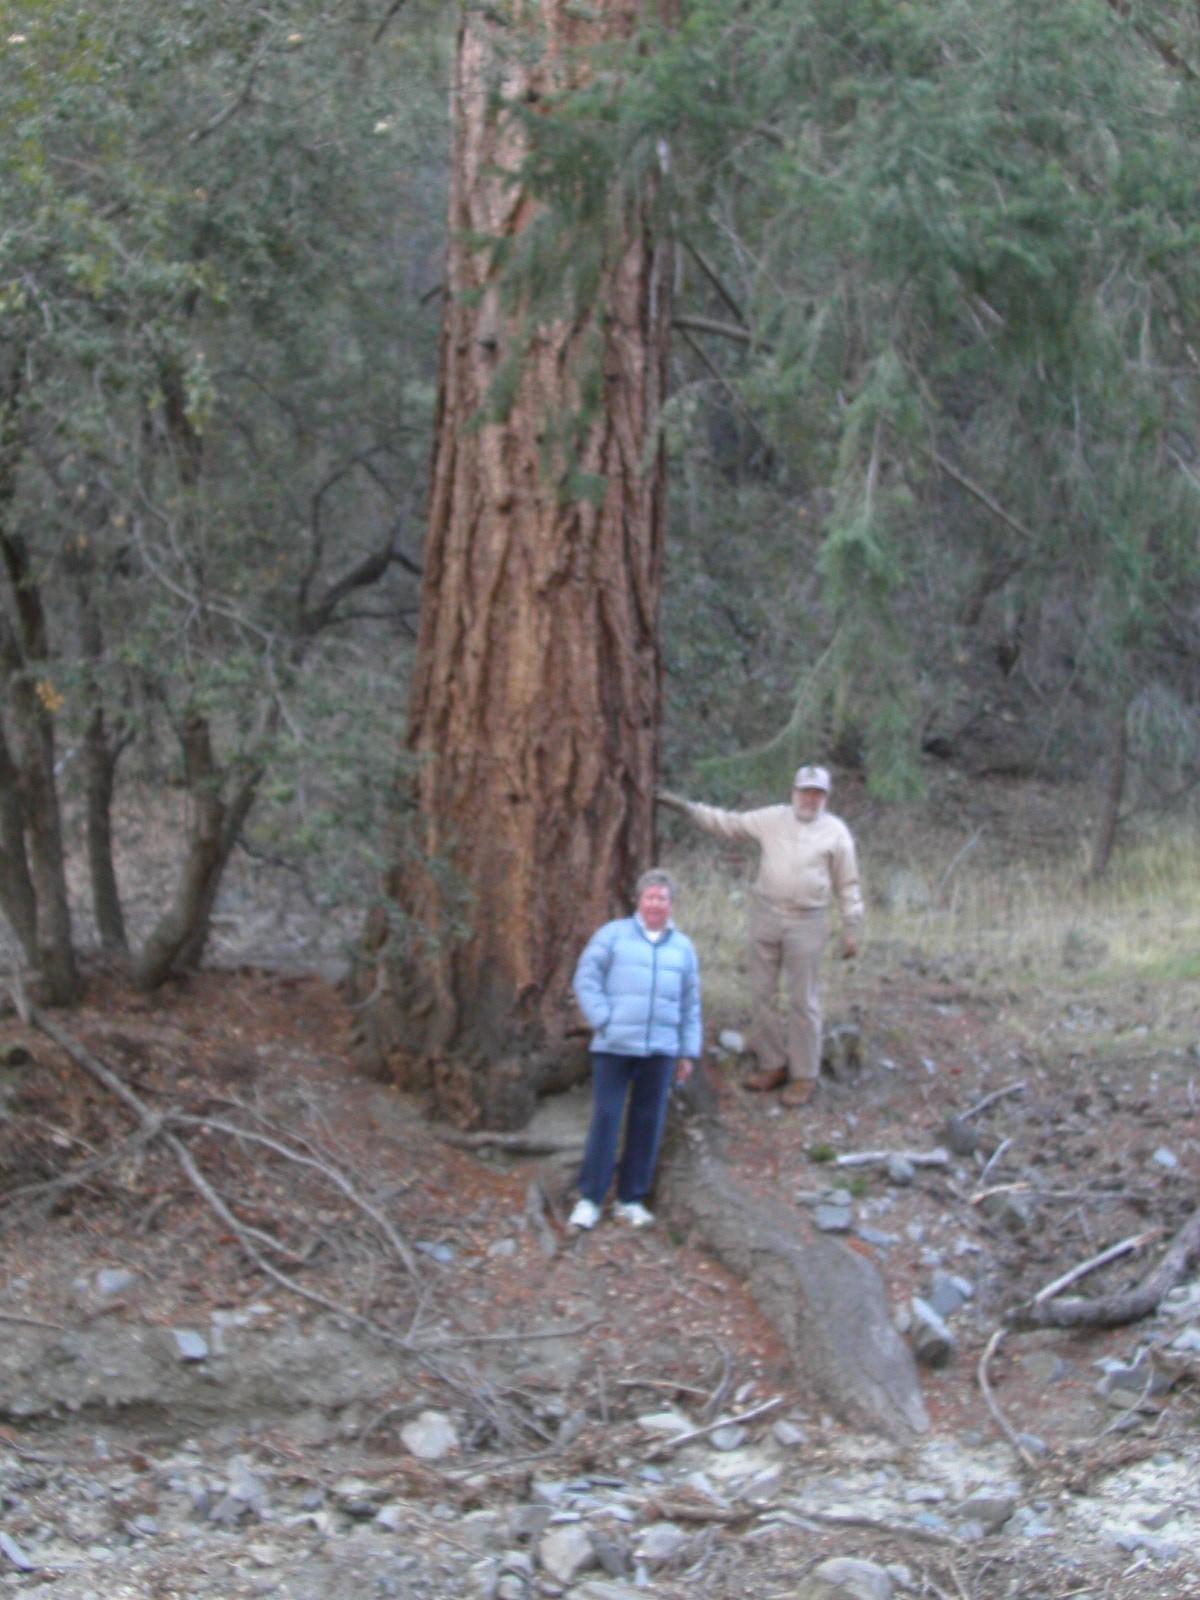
634	1213
585	1215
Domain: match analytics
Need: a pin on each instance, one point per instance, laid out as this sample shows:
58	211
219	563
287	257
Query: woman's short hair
655	878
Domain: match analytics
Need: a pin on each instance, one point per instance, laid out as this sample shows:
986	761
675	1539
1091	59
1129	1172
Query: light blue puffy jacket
641	996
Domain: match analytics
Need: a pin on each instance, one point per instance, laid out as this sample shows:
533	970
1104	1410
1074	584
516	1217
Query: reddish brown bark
535	705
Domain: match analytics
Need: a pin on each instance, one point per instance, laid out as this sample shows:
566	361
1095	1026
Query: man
807	861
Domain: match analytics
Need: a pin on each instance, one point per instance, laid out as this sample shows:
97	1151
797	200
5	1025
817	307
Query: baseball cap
812	778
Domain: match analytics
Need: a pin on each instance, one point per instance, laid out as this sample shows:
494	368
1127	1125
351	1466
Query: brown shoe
799	1092
763	1082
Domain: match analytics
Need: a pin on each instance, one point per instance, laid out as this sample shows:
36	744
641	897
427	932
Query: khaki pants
793	942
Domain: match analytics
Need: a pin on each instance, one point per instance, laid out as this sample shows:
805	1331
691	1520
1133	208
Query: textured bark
24	655
100	769
535	704
178	940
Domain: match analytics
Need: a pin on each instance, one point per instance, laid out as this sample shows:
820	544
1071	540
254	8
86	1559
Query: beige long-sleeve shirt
803	865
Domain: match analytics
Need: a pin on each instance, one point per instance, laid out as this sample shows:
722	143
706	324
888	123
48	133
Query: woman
638	984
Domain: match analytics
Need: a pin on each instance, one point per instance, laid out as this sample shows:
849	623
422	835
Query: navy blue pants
645	1081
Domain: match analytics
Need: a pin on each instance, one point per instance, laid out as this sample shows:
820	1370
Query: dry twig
998	1416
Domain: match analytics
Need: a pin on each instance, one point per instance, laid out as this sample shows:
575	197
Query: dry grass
988	917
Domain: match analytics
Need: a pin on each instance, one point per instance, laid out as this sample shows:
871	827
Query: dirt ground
411	1274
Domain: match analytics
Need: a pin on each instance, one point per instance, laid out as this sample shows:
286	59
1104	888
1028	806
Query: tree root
1115	1310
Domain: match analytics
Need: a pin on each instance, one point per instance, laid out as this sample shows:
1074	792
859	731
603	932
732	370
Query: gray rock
430	1436
960	1137
606	1589
933	1343
189	1345
1010	1209
991	1511
900	1171
1187	1342
110	1281
729	1437
788	1434
661	1543
732	1041
833	1219
612	1554
1138	1383
875	1236
566	1551
12	1552
529	1522
665	1422
845	1578
946	1295
1167	1159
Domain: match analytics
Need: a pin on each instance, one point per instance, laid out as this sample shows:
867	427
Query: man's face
808	804
654	906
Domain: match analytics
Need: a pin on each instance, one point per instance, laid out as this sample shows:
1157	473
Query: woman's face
654	906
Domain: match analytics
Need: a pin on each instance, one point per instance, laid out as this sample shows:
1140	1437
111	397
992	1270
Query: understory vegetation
935	397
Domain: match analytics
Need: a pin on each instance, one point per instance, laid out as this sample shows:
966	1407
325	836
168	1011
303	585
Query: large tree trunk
535	705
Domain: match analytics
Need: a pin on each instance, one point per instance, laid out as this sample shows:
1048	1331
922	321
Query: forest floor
198	1402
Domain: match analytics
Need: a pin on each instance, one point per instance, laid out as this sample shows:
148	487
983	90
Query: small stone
441	1253
729	1437
666	1422
529	1522
990	1510
502	1248
732	1041
11	1550
565	1552
1187	1342
788	1434
661	1543
833	1219
189	1345
945	1296
110	1281
933	1343
1167	1159
1011	1209
960	1137
846	1578
900	1171
430	1436
612	1554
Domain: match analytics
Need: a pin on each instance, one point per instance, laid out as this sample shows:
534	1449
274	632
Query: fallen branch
990	1099
1113	1253
711	1427
330	1173
994	1158
998	1416
1114	1311
31	1322
855	1519
516	1144
875	1158
155	1126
